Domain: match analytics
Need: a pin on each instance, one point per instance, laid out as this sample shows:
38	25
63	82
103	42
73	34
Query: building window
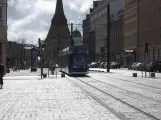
159	54
159	11
149	15
149	35
160	33
155	14
154	34
0	12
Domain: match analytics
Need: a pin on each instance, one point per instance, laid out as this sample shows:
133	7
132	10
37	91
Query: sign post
56	69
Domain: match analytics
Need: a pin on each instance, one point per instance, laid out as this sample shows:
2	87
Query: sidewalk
49	99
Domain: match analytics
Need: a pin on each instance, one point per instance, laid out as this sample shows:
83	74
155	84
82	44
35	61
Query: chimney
91	10
87	15
95	4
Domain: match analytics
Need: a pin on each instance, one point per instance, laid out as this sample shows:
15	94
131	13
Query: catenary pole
108	37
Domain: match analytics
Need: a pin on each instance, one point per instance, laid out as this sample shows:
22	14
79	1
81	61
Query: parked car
152	66
138	66
105	65
132	67
102	64
115	65
93	65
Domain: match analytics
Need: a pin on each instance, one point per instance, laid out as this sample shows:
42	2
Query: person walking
1	75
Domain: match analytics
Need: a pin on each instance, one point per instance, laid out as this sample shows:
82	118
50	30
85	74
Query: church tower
58	33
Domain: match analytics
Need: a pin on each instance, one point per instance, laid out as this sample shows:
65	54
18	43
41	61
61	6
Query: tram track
116	98
125	90
127	81
151	93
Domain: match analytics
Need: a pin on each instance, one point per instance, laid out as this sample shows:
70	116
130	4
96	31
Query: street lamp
108	37
153	53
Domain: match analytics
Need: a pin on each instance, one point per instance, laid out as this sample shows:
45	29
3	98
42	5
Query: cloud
31	19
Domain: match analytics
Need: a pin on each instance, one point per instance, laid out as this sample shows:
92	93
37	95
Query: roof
76	33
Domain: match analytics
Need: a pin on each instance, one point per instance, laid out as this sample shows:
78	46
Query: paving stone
48	99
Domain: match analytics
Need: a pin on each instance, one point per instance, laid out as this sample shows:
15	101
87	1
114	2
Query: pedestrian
1	75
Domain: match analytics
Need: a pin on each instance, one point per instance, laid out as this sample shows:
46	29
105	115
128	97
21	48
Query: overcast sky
31	19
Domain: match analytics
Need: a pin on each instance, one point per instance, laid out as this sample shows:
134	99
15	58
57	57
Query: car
115	65
33	69
94	65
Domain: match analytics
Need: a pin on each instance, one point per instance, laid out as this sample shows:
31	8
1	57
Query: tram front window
79	59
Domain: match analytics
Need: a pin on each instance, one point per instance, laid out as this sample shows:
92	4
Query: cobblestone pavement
29	98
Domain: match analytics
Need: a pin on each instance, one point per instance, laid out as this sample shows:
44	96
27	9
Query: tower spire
59	17
59	7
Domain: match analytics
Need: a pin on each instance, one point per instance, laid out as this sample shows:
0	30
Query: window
160	33
149	15
155	14
149	35
159	11
154	32
0	12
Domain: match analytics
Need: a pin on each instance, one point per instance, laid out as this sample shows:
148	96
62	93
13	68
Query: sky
29	20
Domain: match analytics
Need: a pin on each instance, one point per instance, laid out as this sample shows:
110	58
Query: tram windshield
79	59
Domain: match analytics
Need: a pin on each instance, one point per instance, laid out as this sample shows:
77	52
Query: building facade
149	24
96	29
116	37
89	38
130	32
3	31
18	54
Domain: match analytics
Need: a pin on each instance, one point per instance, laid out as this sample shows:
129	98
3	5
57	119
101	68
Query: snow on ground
126	72
27	97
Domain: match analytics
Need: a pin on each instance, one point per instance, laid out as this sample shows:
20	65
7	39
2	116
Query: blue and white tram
74	60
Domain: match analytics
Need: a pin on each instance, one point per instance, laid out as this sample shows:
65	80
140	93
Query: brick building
58	31
3	30
18	53
130	32
149	23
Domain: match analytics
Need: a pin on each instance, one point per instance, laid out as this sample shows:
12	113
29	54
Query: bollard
44	75
152	74
134	74
62	75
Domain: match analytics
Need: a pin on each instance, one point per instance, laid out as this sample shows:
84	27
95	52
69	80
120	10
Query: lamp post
108	37
41	46
153	53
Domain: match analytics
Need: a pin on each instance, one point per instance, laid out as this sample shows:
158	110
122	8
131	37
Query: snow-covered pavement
129	97
26	97
100	96
125	72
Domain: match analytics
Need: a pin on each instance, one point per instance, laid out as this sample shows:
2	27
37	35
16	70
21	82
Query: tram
74	60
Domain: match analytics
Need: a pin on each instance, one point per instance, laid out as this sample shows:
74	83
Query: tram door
70	62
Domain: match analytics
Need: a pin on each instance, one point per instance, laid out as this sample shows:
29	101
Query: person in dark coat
1	75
